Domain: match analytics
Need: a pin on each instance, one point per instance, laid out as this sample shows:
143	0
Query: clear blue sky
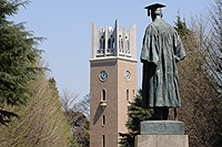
67	26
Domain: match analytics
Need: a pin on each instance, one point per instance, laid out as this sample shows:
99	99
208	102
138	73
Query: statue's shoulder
163	26
151	28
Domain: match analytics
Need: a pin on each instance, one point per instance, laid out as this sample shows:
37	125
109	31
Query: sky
67	26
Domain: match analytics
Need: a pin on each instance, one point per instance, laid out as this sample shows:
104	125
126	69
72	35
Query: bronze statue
162	49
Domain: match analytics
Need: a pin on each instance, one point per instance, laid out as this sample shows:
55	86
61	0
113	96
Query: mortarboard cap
153	7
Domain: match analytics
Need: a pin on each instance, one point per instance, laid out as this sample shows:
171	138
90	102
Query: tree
82	125
67	98
41	121
214	43
80	128
84	106
75	114
201	105
73	142
18	58
136	115
216	54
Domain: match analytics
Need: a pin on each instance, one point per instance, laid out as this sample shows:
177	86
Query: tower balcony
105	52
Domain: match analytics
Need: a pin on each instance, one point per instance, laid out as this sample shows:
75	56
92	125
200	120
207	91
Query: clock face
103	75
127	75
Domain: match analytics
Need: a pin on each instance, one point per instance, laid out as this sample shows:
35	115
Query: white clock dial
103	75
127	75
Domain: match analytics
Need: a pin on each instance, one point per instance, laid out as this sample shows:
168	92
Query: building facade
113	82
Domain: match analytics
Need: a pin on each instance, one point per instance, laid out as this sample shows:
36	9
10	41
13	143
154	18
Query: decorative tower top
113	42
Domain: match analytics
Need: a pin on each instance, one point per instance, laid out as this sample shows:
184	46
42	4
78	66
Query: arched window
100	44
113	43
121	44
128	45
109	43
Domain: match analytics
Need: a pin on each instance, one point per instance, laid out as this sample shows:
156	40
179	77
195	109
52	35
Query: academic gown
162	49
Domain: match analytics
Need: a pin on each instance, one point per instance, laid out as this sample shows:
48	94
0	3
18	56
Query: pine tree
18	58
73	142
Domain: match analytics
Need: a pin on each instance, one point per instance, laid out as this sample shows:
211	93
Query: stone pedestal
161	141
164	127
161	134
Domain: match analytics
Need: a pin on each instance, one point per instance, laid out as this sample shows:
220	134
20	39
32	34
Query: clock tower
113	82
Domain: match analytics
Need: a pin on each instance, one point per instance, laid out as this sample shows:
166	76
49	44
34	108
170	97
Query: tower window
127	94
103	121
103	141
121	44
109	43
113	44
104	95
103	43
128	45
100	44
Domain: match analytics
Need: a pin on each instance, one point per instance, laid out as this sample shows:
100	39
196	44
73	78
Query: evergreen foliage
25	91
136	115
73	142
18	58
80	128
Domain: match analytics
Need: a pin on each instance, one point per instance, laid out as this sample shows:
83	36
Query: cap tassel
148	11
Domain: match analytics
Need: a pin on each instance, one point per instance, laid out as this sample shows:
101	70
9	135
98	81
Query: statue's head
155	10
